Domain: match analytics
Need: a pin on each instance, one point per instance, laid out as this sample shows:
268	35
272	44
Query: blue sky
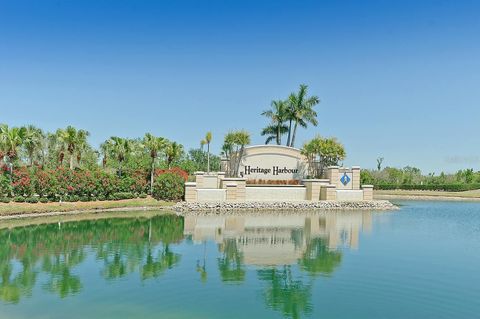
398	79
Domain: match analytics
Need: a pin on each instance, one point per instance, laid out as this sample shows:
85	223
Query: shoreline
229	207
425	198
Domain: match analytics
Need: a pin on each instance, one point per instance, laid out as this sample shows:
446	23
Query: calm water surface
420	262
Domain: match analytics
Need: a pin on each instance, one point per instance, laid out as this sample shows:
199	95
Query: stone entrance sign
272	162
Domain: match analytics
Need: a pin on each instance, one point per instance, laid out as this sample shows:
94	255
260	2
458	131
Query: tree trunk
279	142
289	132
208	158
71	161
151	176
293	135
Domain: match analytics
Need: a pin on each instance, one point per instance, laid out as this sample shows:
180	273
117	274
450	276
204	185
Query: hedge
63	184
430	187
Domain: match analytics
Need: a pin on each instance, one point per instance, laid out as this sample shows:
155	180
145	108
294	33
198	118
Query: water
420	262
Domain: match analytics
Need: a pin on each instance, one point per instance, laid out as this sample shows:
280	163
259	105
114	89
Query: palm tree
207	140
33	142
72	141
173	152
278	115
300	112
11	139
117	148
154	145
233	149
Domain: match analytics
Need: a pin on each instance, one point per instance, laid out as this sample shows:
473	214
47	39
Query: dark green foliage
31	200
430	187
168	186
43	200
5	200
123	195
19	199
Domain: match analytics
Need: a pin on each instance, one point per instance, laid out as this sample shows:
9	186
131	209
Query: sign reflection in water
274	245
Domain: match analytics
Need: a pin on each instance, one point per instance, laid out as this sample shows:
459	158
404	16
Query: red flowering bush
21	182
174	170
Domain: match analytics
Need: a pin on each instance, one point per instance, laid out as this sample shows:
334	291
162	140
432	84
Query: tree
117	148
173	152
379	163
207	140
154	145
33	142
300	112
322	152
278	115
73	141
233	149
11	139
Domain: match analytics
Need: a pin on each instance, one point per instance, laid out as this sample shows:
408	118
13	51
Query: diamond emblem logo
345	179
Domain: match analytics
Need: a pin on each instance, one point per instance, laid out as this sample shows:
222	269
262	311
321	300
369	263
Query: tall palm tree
300	112
278	114
173	151
72	141
11	139
33	142
207	140
117	148
154	145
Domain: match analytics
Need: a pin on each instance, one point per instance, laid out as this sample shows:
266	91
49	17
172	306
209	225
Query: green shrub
143	195
168	186
31	200
85	198
19	199
101	197
5	200
430	187
123	195
43	200
5	186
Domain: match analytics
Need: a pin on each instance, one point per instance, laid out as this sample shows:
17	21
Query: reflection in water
124	245
286	252
273	243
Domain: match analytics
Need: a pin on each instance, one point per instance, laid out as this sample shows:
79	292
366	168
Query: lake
422	261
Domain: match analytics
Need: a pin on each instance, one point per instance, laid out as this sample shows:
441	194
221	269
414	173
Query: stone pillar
221	175
356	177
241	185
199	179
191	192
241	189
313	188
332	174
231	192
367	192
328	192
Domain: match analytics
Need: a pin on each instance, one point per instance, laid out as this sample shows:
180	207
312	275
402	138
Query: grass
25	208
416	193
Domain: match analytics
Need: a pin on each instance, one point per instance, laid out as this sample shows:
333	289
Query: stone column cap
333	167
367	186
330	186
231	185
355	167
234	179
198	173
190	184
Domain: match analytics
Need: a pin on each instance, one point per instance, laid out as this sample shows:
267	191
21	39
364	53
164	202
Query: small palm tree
72	141
208	140
278	115
173	152
33	142
117	148
154	145
300	112
11	139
